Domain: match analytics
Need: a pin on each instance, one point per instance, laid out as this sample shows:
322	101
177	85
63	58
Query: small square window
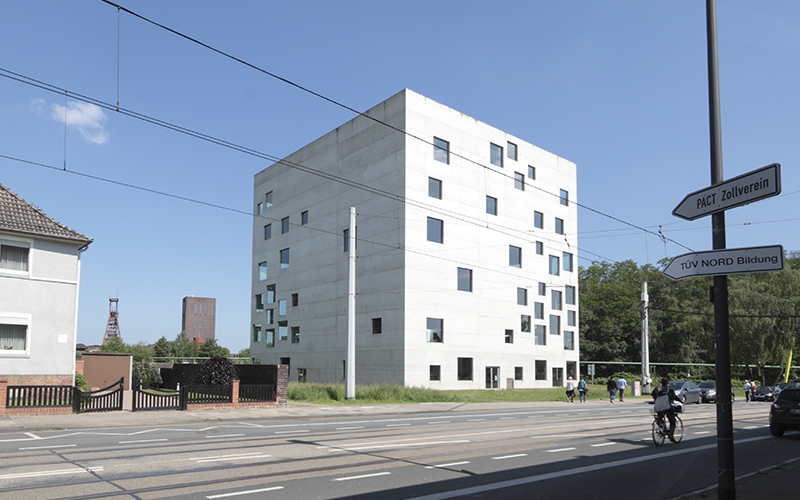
531	172
377	326
559	226
441	150
564	198
517	373
538	310
464	368
260	208
538	220
304	218
284	258
295	335
569	295
434	188
269	200
496	154
435	230
491	205
509	336
514	256
464	279
525	322
522	296
567	261
262	271
554	265
556	303
555	324
511	151
519	181
539	248
435	372
295	299
539	335
284	225
435	330
268	231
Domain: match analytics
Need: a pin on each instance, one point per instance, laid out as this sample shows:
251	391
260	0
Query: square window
435	330
259	302
283	330
556	302
559	226
434	188
569	340
284	225
514	256
542	289
295	299
269	199
538	220
522	296
509	336
572	318
435	230
554	265
539	335
284	258
567	261
555	324
519	181
282	307
539	248
271	294
496	154
569	295
377	326
531	172
256	333
517	373
441	150
525	322
295	335
464	279
260	208
435	372
302	375
538	310
464	368
491	205
304	219
262	271
268	231
564	198
541	369
511	151
270	334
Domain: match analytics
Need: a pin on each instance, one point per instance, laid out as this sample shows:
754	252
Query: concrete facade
408	192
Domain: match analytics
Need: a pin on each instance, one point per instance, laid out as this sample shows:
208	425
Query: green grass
390	393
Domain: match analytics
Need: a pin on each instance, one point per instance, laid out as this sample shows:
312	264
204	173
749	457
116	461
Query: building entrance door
492	377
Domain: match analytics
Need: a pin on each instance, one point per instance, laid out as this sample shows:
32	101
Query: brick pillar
3	394
235	392
282	387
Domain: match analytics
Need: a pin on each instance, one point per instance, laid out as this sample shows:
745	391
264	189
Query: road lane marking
560	450
249	492
364	476
142	441
510	456
397	425
440	422
59	472
224	436
292	432
348	428
602	444
225	456
248	457
440	466
397	445
49	447
476	420
32	435
703	432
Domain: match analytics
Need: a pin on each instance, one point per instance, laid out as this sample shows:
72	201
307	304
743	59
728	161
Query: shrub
148	374
80	381
216	371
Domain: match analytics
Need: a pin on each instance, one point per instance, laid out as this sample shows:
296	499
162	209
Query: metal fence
39	396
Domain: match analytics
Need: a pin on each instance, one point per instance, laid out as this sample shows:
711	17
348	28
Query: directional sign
727	261
746	188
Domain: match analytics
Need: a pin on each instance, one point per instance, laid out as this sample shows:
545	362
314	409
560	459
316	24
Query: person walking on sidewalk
583	388
747	391
611	387
570	390
622	384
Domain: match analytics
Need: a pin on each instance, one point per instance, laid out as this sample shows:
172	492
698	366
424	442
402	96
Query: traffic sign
726	261
735	192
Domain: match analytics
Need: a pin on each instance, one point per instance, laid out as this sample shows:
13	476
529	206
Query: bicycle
661	429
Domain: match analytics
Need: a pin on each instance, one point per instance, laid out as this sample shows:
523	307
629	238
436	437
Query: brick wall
282	387
4	383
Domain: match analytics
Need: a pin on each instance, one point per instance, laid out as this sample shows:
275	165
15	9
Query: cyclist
664	390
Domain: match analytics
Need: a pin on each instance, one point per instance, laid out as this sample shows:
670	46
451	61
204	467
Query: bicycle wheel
678	429
658	433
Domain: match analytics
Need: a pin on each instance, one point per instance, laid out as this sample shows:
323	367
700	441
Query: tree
114	344
142	353
184	346
245	353
210	348
163	348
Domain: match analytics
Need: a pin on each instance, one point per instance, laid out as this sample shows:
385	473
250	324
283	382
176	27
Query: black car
708	392
784	413
764	393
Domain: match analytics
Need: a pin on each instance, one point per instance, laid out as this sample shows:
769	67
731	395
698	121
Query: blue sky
618	87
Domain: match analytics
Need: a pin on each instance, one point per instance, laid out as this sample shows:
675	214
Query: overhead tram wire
365	115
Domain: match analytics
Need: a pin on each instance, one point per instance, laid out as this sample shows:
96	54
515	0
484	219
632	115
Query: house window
435	230
295	300
496	154
572	318
542	289
346	237
295	335
541	369
256	333
539	248
13	336
301	375
531	172
283	330
464	368
538	220
441	150
284	258
572	369
270	316
517	373
435	330
284	225
564	198
260	208
554	269
491	205
259	302
464	279
519	181
539	335
268	231
559	226
511	151
525	323
262	271
522	296
555	324
435	372
567	261
514	256
569	340
269	199
509	336
556	297
282	307
434	188
538	310
303	221
377	326
569	295
270	337
271	294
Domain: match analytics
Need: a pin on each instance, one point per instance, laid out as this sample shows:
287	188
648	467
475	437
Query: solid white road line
291	432
225	495
142	441
49	447
248	457
59	472
224	436
560	450
510	456
602	444
362	476
226	456
440	466
398	445
348	428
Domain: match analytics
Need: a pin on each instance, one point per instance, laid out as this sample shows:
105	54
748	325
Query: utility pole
350	363
645	340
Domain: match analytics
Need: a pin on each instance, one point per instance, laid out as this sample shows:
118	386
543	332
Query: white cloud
84	117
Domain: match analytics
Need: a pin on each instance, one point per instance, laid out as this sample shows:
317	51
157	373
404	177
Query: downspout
77	297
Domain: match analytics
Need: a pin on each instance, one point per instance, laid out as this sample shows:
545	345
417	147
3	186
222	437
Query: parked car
708	392
764	393
687	392
784	413
784	385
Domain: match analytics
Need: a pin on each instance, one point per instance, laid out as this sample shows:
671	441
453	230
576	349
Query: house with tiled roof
40	271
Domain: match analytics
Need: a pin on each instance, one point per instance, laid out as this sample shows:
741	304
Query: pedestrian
611	387
747	391
583	388
570	390
753	388
622	384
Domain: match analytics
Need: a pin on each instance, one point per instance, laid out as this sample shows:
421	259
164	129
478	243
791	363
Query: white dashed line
510	456
559	450
225	495
363	476
445	465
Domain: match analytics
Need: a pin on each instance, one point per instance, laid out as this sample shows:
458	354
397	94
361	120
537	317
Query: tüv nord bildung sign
727	261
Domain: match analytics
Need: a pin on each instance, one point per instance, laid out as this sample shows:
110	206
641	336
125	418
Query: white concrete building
466	274
39	282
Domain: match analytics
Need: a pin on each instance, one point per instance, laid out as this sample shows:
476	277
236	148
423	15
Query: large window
464	368
538	310
13	336
496	155
284	225
564	198
567	261
559	226
435	230
538	220
569	295
284	258
270	337
434	188
554	269
525	323
539	335
464	279
511	151
569	340
555	324
519	181
295	335
491	205
514	256
262	271
541	369
435	330
268	231
522	296
556	302
441	150
269	199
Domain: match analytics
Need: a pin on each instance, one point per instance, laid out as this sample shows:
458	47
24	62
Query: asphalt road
555	451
